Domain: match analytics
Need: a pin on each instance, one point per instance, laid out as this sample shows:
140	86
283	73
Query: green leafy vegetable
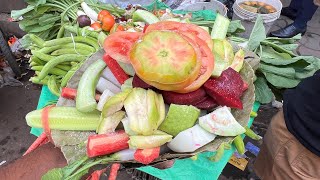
257	35
263	93
281	81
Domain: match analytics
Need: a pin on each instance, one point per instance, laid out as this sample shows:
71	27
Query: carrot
96	174
114	171
42	139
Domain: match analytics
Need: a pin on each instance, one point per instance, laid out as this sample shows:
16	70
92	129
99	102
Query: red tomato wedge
182	27
118	45
165	57
206	66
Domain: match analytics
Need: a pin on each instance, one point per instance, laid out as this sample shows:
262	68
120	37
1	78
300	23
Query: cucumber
144	16
220	27
65	118
85	101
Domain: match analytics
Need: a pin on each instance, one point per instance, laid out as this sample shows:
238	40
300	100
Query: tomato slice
207	65
118	45
182	27
165	57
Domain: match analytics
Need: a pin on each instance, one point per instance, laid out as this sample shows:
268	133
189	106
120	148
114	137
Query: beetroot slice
227	89
137	82
190	98
206	104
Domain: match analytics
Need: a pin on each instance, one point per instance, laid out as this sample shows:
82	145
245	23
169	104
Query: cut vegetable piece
227	89
221	122
179	118
125	155
126	126
220	27
184	99
127	84
144	16
207	103
146	142
142	110
238	60
119	44
164	57
191	139
182	27
104	144
104	84
108	75
137	82
85	100
68	93
224	49
115	68
127	68
115	103
106	95
146	156
219	66
110	123
65	118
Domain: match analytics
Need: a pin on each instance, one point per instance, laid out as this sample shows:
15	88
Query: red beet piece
190	98
137	82
226	89
206	104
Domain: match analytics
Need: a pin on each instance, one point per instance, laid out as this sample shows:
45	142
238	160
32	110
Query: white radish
89	12
191	139
107	94
107	74
125	155
79	13
104	84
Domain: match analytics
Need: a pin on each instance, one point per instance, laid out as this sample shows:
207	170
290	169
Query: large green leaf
288	72
280	81
16	14
235	27
269	52
257	35
263	93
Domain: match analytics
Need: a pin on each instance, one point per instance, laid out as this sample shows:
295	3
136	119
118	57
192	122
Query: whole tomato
103	13
107	22
96	26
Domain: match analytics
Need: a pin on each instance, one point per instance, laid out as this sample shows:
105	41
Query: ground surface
16	102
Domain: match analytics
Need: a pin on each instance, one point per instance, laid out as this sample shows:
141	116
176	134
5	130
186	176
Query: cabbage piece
110	123
221	122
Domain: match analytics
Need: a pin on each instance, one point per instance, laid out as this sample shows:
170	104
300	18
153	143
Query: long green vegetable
87	40
85	101
65	118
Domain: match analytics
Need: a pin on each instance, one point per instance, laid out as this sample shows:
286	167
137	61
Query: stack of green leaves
280	68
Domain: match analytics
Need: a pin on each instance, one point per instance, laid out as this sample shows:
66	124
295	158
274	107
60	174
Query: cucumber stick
85	101
65	118
144	16
220	27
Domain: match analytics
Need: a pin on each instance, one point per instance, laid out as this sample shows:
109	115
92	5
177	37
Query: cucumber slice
144	16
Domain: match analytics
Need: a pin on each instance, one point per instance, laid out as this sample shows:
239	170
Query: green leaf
235	27
269	52
39	28
282	71
285	40
68	170
289	47
263	93
280	81
257	35
55	174
48	19
16	14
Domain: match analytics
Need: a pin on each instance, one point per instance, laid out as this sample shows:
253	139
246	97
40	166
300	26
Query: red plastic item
115	68
146	156
45	121
103	144
114	171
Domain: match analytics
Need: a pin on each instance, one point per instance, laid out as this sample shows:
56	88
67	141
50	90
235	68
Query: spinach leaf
280	81
235	27
257	35
269	52
281	71
263	93
16	14
279	61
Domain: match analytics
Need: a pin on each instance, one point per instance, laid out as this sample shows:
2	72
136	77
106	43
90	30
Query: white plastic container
248	18
213	5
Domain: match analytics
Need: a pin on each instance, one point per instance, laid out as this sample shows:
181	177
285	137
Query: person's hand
35	164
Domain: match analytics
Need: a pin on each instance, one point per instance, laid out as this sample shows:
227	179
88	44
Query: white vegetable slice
126	126
104	84
89	12
221	122
107	94
107	74
191	139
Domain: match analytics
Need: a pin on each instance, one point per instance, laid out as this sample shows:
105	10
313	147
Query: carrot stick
96	174
42	139
114	171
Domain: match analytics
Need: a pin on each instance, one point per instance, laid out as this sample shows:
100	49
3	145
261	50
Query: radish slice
126	155
107	74
89	12
104	84
191	139
107	94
